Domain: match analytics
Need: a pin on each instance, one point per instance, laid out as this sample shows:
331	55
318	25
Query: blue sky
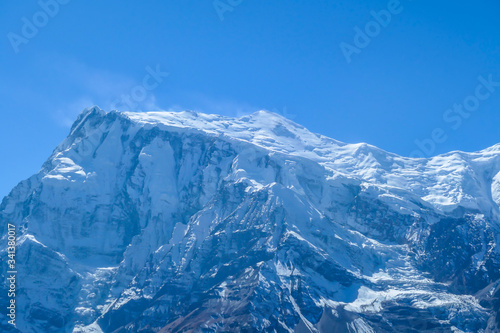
397	90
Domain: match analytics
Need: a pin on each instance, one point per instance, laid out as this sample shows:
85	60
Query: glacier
191	222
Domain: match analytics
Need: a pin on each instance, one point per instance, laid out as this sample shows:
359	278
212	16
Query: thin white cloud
203	103
91	86
66	114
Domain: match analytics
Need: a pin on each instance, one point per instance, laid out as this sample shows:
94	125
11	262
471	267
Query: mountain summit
189	222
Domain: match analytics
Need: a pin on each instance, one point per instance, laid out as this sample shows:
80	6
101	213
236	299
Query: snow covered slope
169	222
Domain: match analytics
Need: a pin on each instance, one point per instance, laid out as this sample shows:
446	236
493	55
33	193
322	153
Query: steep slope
147	222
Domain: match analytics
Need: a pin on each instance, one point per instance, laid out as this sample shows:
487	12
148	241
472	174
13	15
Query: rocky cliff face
170	222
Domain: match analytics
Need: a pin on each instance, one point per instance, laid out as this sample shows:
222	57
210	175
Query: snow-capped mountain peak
167	222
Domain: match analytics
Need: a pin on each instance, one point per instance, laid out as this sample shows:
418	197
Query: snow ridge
164	222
